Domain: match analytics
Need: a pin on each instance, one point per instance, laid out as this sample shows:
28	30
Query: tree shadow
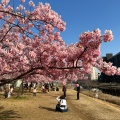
8	114
47	108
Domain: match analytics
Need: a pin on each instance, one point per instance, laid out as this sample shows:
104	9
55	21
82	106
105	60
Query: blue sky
84	15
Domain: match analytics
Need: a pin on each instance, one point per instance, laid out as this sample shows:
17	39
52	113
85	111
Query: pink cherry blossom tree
32	49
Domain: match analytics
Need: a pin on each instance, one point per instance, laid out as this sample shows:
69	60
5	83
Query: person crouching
62	104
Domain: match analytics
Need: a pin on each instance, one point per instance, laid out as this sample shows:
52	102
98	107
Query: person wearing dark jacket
78	91
64	90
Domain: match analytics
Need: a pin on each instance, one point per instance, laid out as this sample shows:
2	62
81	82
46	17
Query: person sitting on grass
62	104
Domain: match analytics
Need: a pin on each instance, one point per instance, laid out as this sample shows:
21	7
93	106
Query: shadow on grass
8	114
47	108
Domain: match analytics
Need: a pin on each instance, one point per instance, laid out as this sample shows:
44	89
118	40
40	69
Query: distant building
116	62
94	74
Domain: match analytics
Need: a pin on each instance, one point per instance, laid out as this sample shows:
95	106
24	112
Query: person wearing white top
34	91
62	104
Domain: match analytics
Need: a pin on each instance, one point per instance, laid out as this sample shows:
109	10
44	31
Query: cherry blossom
5	2
32	49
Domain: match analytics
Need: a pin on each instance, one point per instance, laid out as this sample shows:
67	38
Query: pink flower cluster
108	36
5	2
31	46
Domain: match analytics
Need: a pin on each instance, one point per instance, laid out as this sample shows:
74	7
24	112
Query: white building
94	74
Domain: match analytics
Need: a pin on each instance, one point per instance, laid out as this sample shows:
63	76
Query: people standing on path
6	91
34	91
64	89
78	91
43	89
47	87
11	90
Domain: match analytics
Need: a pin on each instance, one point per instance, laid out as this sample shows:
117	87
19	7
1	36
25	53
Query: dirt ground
42	107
